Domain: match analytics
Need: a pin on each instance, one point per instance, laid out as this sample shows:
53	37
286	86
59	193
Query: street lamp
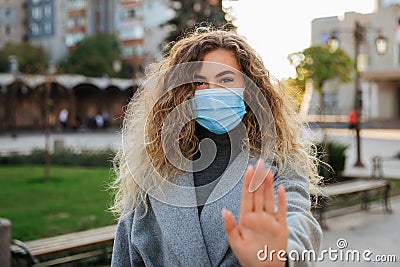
333	42
381	42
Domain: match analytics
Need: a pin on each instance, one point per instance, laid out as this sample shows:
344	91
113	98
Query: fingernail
259	176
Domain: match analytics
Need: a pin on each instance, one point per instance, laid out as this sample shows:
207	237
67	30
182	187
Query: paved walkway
25	142
374	142
372	230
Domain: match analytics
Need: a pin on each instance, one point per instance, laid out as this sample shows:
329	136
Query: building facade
130	31
380	73
57	26
12	21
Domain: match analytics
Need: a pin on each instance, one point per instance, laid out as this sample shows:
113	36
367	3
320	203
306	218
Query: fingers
258	177
269	203
247	198
258	194
282	206
231	230
262	199
263	196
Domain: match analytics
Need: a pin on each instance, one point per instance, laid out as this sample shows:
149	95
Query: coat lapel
201	242
180	225
211	217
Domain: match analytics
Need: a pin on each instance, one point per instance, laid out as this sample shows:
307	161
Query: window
74	38
76	4
8	29
35	29
75	21
132	50
47	10
331	102
47	28
37	13
132	13
131	31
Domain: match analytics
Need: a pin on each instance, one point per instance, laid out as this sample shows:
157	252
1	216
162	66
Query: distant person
76	123
106	118
99	121
63	118
352	119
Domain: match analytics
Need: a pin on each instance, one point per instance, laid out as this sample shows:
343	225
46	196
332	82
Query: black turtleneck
225	144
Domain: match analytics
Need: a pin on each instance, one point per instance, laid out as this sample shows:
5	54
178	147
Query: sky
278	28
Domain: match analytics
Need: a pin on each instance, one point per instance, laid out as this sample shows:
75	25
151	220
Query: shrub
336	160
65	157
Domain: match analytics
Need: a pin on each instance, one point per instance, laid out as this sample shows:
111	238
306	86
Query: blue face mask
219	110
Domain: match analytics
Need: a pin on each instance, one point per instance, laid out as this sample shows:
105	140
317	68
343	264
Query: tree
321	64
190	13
31	59
94	57
294	90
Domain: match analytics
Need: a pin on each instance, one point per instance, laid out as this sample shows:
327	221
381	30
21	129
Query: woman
191	139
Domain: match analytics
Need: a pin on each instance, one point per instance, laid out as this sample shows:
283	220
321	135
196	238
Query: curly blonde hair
143	154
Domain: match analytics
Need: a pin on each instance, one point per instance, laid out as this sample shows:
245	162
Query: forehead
225	60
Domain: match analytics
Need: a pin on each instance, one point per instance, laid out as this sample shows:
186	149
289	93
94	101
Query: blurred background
69	67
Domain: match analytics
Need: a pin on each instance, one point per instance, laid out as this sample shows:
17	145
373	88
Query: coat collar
203	241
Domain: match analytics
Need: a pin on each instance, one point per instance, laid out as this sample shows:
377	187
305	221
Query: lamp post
359	33
13	60
381	42
49	75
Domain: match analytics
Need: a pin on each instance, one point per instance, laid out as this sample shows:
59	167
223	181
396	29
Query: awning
68	81
381	75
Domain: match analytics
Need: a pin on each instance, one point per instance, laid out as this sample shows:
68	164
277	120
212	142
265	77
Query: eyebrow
222	73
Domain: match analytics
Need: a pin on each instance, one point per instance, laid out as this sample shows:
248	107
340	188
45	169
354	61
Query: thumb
231	228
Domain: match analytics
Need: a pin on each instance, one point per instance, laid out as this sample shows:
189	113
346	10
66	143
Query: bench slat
352	187
70	241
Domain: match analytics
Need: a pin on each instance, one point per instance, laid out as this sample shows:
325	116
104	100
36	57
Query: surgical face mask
219	110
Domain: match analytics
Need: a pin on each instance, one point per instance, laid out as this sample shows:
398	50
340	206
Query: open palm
259	225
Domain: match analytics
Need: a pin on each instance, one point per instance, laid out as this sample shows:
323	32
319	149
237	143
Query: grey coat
174	236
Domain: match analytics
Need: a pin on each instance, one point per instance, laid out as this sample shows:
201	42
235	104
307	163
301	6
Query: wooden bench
35	250
356	186
377	164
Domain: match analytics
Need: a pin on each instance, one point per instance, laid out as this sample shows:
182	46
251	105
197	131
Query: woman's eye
226	80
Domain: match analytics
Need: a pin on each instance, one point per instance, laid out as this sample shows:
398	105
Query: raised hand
260	226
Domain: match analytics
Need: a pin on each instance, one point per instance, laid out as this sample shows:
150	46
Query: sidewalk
384	142
25	142
372	230
374	142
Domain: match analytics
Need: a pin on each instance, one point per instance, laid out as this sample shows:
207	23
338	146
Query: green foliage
94	57
66	157
336	159
189	13
295	91
31	59
320	64
74	199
